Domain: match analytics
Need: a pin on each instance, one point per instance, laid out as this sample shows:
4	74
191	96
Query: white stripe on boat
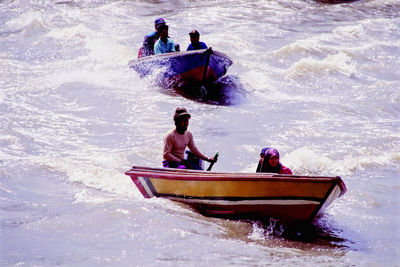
248	202
145	186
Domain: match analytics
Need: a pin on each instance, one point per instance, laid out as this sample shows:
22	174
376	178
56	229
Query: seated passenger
164	44
195	43
269	162
150	39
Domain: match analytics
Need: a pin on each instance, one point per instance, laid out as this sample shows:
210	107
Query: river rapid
317	80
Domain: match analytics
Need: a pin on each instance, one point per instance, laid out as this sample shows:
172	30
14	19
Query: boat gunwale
165	56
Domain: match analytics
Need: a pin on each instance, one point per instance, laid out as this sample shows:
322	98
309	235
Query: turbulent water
319	81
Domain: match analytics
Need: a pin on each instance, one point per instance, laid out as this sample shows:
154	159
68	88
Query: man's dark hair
162	27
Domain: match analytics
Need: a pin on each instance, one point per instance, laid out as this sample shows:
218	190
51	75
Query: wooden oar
212	163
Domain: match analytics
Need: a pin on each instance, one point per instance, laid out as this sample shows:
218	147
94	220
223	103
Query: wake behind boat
182	68
241	195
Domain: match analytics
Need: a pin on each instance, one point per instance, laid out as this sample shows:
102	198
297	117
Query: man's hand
213	159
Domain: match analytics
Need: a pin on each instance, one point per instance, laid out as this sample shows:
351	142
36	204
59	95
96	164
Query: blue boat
183	68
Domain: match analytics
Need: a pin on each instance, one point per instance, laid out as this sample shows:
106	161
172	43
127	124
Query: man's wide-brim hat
181	113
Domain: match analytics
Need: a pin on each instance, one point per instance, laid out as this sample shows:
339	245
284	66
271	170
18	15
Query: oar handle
212	163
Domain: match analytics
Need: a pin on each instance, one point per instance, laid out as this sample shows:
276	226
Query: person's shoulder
189	134
190	47
170	132
285	170
203	45
152	34
150	37
157	44
170	40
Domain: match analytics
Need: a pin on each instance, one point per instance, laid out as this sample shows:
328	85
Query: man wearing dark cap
150	39
195	43
176	141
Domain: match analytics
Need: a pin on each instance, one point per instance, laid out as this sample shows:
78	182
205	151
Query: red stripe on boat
140	186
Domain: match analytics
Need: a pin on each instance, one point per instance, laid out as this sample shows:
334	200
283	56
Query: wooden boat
178	69
241	195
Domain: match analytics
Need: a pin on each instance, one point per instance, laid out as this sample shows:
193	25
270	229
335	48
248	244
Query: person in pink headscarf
269	162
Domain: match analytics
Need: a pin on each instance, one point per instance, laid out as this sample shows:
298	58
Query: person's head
269	161
158	22
194	36
163	31
181	118
271	156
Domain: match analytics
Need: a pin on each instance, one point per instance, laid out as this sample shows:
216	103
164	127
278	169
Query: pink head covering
271	152
263	165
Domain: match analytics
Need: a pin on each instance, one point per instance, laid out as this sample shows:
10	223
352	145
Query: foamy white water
320	82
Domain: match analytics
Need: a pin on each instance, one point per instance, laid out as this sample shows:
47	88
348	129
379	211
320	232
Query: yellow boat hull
241	195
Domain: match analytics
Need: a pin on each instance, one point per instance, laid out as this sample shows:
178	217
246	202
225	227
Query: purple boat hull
185	67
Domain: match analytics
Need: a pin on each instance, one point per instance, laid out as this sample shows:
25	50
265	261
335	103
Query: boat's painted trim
148	187
246	201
